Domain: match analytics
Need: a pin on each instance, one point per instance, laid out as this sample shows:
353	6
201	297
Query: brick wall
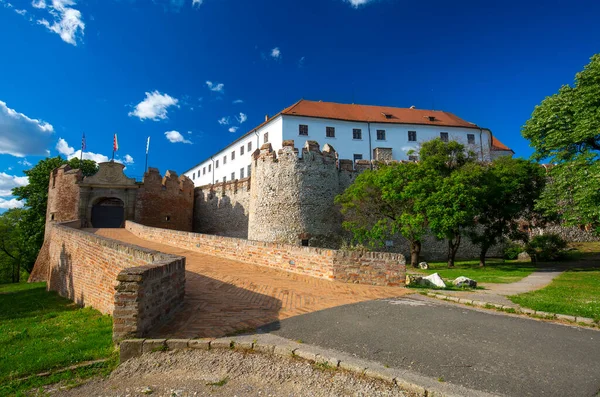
139	287
374	268
222	208
63	194
166	202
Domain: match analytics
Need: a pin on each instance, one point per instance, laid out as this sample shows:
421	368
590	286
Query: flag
83	143
148	145
115	143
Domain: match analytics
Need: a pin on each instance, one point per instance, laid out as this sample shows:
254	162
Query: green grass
41	331
576	292
495	271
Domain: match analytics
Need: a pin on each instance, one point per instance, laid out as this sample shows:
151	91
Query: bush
512	250
548	247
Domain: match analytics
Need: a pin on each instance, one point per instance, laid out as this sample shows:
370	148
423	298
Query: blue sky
196	74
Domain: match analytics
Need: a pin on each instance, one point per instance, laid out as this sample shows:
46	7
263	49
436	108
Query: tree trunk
453	245
482	253
415	251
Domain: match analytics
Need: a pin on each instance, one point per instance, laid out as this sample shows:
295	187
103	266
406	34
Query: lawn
575	292
41	331
495	271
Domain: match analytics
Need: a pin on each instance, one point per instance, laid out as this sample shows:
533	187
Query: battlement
153	181
229	187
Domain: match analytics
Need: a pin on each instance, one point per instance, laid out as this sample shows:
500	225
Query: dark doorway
108	213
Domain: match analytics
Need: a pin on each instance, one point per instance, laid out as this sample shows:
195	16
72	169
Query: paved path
497	293
495	353
225	296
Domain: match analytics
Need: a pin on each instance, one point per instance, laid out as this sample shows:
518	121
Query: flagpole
147	150
82	149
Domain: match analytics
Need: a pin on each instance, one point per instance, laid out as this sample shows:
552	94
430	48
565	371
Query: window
233	155
413	157
242	150
471	139
266	137
412	136
233	176
357	157
356	133
193	175
444	136
241	173
249	147
249	173
303	129
381	135
224	160
209	167
330	132
204	171
217	164
224	179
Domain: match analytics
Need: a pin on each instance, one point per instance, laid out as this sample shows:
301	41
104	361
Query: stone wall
63	194
571	234
222	209
374	268
139	287
292	198
166	202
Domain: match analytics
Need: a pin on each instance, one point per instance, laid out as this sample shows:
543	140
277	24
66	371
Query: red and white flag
115	143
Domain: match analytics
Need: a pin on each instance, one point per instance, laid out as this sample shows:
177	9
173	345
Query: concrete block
328	359
358	367
465	301
264	348
566	317
381	373
306	354
525	310
585	320
153	345
202	344
129	349
221	343
544	314
177	344
284	350
479	303
416	389
453	299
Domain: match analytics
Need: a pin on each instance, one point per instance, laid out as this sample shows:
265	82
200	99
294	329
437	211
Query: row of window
243	172
357	134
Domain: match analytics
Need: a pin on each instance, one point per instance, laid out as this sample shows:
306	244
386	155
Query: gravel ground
228	373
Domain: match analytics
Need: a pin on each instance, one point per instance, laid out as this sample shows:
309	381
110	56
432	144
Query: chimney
266	117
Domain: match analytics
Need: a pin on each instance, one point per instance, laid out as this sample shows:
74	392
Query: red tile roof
499	146
375	114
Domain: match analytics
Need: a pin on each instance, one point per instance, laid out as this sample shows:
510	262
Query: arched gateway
108	212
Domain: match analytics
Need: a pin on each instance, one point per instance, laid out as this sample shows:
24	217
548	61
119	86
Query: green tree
565	129
35	195
452	205
381	204
16	256
509	190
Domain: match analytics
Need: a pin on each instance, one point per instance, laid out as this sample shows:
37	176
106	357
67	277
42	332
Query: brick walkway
225	296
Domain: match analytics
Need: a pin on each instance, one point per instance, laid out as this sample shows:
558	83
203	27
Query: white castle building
356	132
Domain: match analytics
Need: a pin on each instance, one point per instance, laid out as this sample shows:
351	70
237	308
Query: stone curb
515	310
274	345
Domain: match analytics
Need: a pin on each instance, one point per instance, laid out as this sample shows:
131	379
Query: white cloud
276	53
20	135
63	147
21	12
223	121
154	107
25	163
358	3
216	87
39	4
128	159
66	21
176	137
8	182
233	129
9	204
197	3
242	118
237	101
301	62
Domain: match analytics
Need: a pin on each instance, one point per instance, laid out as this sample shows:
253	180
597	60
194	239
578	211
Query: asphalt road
499	354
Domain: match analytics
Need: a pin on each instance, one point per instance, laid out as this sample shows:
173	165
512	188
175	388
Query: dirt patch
228	373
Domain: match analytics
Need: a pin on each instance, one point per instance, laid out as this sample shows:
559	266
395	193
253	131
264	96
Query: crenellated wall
165	202
222	209
292	197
